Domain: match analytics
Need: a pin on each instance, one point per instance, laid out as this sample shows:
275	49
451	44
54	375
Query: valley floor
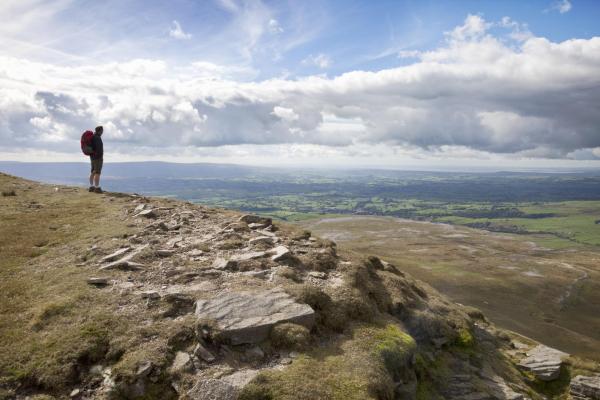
549	294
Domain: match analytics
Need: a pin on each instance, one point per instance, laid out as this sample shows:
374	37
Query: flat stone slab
115	255
585	387
246	317
255	219
279	253
262	239
98	281
251	255
213	389
544	362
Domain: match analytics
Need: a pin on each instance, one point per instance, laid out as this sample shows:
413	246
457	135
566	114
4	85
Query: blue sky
385	82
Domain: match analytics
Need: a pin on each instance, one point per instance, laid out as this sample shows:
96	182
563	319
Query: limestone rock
248	256
265	232
164	253
544	362
223	264
212	389
150	295
180	303
202	352
585	387
98	281
256	225
115	255
240	378
248	317
146	214
317	274
262	239
279	253
255	219
125	262
182	362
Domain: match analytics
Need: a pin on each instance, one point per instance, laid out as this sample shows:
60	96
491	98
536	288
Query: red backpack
86	143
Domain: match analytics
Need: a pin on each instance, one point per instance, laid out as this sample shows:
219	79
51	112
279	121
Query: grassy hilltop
374	332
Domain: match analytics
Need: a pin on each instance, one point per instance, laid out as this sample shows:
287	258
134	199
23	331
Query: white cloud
274	26
177	33
320	60
475	95
562	6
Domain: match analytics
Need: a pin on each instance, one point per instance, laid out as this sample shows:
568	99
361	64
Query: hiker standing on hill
97	158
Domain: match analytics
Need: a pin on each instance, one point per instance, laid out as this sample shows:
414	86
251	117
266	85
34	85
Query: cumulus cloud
476	93
176	32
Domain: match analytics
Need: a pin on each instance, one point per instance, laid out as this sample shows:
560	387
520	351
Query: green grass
360	368
52	323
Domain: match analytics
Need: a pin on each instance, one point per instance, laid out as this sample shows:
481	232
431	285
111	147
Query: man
97	157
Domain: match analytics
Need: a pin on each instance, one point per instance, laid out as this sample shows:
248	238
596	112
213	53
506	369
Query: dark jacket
98	147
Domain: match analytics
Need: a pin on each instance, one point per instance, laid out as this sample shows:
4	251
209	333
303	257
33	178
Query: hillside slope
124	297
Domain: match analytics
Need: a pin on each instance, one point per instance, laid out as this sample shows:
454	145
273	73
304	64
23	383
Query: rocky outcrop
249	317
544	362
585	388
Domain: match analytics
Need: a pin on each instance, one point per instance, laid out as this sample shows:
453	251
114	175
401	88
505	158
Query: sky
344	83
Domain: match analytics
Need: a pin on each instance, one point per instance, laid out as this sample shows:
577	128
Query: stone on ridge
246	317
544	362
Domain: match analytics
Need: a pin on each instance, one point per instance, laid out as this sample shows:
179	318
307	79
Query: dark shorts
96	165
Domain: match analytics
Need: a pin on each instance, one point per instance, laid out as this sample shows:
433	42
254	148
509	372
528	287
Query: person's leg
97	180
91	188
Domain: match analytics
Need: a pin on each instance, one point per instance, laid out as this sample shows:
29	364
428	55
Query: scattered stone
181	303
223	264
585	387
262	239
150	295
174	241
238	227
172	225
255	219
139	207
248	256
115	255
256	225
182	362
75	393
266	233
262	274
317	274
144	369
544	362
240	378
164	253
210	273
212	389
98	281
125	263
146	214
203	353
248	317
285	361
195	253
279	253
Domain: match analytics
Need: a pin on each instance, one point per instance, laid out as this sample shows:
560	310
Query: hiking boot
91	189
98	190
